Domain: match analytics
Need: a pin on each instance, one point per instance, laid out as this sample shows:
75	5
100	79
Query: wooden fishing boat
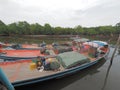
7	46
26	46
27	53
19	54
23	72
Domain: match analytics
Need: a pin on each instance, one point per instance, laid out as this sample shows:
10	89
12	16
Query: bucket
32	66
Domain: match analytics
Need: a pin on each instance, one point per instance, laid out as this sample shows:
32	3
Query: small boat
13	54
26	46
19	54
24	72
22	46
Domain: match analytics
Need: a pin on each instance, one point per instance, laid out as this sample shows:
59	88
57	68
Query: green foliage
117	28
36	29
79	30
47	29
24	28
3	28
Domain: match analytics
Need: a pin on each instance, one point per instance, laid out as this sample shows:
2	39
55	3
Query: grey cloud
9	10
104	13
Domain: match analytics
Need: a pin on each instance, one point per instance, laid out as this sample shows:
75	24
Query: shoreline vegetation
24	30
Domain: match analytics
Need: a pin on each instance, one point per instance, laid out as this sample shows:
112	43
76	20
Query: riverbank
52	38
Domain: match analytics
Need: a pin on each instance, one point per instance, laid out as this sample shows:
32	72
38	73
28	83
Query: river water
101	76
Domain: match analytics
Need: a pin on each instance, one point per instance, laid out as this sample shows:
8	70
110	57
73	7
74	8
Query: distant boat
24	72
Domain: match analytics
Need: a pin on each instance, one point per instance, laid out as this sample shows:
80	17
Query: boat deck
18	71
21	70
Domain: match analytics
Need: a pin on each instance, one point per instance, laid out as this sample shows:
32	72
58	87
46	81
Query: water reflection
119	51
58	84
110	64
31	40
106	77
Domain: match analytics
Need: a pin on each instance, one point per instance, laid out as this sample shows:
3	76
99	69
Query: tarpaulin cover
70	59
91	44
100	43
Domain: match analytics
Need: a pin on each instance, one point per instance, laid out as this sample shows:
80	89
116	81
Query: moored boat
20	54
30	53
26	46
20	72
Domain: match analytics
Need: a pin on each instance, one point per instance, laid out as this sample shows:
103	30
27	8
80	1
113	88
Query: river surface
101	76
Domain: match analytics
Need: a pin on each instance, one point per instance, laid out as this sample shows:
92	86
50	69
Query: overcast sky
64	13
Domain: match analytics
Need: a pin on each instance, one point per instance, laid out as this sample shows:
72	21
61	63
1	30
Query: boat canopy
93	44
71	59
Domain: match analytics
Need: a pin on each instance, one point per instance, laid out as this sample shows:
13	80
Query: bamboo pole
115	49
119	48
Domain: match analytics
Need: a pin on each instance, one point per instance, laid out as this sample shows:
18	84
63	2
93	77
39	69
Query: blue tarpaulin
100	43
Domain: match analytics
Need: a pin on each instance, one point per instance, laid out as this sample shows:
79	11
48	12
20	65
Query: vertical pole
5	81
115	49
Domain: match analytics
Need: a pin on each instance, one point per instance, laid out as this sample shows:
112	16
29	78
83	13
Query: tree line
24	28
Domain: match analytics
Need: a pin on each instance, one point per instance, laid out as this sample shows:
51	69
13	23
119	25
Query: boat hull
60	74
